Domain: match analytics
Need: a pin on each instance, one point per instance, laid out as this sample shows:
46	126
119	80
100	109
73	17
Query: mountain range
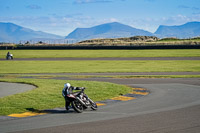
108	30
188	30
10	32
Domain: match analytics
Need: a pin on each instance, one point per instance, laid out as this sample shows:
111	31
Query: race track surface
109	58
172	106
7	89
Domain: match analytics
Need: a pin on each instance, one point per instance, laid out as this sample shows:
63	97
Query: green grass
99	66
100	53
48	94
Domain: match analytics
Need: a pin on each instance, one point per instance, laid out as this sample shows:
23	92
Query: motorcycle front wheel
78	107
93	105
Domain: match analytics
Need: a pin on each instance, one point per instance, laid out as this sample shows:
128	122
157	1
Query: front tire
93	105
78	107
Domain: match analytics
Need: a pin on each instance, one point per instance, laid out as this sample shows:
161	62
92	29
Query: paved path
109	58
118	74
172	106
7	89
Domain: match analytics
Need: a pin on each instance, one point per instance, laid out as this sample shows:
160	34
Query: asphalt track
108	58
172	106
7	89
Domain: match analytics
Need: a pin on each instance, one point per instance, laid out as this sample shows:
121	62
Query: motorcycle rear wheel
78	107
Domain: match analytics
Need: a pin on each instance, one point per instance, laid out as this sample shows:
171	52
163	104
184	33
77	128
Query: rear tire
78	107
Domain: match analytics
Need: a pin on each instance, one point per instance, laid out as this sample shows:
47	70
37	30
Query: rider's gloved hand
82	88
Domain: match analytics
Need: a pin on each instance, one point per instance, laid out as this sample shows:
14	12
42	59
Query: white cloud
180	19
34	7
195	8
151	24
91	1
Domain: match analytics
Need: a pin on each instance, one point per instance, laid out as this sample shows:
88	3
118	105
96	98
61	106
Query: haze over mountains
10	32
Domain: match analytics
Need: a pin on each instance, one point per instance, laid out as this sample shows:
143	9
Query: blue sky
63	16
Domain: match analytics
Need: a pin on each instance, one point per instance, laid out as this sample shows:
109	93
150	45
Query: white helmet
67	85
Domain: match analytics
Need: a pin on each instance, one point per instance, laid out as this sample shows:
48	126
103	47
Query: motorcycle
79	101
9	57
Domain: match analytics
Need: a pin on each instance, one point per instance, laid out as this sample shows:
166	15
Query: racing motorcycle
9	57
80	101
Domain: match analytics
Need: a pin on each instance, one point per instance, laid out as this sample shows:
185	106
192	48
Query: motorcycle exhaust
81	102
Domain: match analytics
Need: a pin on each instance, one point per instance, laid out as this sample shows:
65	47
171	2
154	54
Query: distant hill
191	29
108	30
125	41
10	32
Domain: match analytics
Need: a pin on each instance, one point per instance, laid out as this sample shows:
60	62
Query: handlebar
80	88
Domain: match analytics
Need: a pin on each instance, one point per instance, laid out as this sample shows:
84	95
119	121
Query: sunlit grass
99	66
100	53
48	94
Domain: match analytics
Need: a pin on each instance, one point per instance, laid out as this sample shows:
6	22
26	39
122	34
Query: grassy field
99	66
100	53
48	94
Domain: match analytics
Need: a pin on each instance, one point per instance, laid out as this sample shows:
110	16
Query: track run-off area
172	105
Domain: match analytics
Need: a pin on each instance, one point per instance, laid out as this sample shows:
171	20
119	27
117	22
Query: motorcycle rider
9	55
68	89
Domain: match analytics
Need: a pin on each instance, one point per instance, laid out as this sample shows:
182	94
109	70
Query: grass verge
99	66
48	94
101	53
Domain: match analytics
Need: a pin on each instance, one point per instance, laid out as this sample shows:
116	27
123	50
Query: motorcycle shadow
51	111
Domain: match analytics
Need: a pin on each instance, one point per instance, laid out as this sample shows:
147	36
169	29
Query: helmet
67	85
